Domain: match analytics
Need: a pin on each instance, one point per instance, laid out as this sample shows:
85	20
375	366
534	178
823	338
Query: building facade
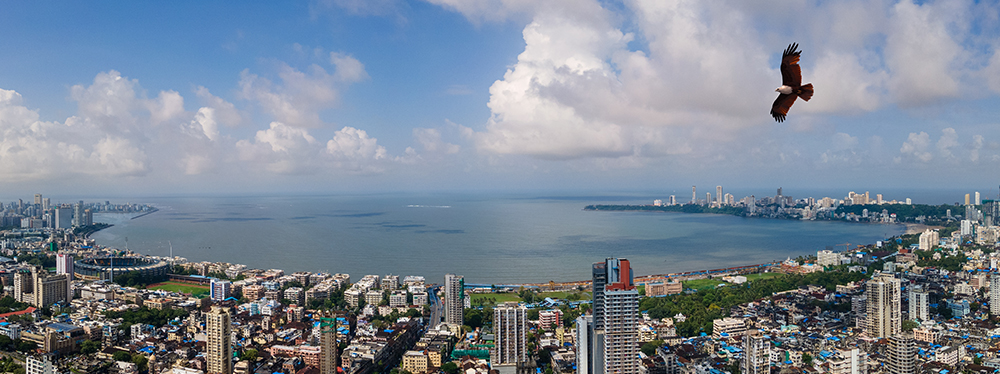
454	295
757	354
510	326
883	303
219	348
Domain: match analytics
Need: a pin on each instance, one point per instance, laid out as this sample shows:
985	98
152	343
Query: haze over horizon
391	95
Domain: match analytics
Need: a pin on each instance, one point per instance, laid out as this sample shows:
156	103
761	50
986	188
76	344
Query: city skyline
412	95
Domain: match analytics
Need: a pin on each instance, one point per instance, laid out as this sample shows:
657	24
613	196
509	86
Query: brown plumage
791	84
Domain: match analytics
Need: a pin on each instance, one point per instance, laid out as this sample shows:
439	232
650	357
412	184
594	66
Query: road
437	308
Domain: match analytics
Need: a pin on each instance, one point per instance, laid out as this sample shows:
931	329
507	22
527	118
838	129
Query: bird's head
784	90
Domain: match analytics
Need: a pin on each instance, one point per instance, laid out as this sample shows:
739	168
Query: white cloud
916	145
921	52
977	144
224	111
349	69
948	140
301	95
430	141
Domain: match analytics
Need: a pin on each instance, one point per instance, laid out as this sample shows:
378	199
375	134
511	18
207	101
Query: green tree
122	356
908	325
449	367
89	346
250	355
141	362
649	349
807	359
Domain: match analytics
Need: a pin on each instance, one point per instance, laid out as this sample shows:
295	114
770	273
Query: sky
320	96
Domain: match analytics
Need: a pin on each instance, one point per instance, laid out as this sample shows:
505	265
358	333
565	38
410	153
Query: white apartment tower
585	341
219	349
995	294
883	299
919	304
718	196
64	264
454	295
757	354
929	239
510	326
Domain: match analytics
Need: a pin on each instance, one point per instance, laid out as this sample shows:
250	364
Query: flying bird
791	84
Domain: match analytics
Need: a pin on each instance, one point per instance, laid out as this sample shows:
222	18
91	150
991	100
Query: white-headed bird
791	84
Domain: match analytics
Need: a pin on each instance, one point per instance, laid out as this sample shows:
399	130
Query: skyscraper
219	349
757	356
902	355
883	294
694	195
454	293
510	326
719	196
995	294
919	304
38	199
616	314
64	264
328	345
585	341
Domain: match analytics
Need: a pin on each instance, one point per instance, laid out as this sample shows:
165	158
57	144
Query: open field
705	284
504	297
193	289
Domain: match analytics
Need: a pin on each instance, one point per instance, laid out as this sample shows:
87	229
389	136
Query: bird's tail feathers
806	92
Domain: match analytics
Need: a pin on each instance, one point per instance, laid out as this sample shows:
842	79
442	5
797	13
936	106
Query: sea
491	239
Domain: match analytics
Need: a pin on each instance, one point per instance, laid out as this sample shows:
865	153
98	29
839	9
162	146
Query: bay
490	239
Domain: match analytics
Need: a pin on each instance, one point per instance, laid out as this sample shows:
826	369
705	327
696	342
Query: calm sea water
489	239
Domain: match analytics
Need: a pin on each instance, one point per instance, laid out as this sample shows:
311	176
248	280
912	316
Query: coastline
917	228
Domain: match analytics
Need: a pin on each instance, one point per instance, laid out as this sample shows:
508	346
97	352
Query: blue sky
390	95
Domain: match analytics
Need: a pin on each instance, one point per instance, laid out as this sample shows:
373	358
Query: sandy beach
916	228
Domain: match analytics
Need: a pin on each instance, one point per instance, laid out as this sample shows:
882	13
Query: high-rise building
46	203
221	289
967	202
38	199
64	264
219	348
585	341
995	294
979	201
41	289
718	196
328	345
883	298
694	195
928	240
64	218
902	355
510	328
78	214
918	304
616	314
852	361
757	353
39	366
454	295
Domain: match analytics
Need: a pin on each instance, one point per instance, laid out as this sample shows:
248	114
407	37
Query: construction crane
847	246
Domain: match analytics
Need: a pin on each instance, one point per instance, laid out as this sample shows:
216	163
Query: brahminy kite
791	84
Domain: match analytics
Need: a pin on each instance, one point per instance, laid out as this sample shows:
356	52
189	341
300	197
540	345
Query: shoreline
917	228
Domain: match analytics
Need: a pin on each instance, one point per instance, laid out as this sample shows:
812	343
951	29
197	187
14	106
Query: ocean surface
489	239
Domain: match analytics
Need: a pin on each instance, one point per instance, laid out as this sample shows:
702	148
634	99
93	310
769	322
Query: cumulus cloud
689	72
430	140
916	145
224	111
300	97
948	140
921	52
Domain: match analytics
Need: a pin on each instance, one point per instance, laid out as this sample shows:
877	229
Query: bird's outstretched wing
781	105
791	73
